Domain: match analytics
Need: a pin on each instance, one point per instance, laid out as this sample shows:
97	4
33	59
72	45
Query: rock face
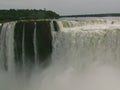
56	27
44	39
32	43
0	27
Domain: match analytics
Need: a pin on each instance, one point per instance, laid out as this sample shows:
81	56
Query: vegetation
95	15
26	14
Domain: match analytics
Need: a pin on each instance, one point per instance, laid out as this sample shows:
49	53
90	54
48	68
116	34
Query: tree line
26	14
94	15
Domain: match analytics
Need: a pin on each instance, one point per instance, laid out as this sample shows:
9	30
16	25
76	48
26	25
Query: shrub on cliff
20	14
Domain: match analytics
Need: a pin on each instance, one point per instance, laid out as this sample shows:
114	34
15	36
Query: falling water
23	48
10	46
35	44
85	56
7	46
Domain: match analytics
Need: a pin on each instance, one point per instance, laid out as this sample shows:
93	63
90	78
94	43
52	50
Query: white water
35	44
10	46
23	47
2	44
83	58
7	45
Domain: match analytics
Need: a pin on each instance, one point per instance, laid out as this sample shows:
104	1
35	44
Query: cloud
66	6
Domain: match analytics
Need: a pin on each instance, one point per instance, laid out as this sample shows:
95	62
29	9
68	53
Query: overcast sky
65	7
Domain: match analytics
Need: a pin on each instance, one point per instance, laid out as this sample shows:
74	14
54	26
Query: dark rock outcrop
24	42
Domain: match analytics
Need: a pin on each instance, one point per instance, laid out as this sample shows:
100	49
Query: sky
65	7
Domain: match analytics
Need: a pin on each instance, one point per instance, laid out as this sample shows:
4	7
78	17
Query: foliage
26	14
94	15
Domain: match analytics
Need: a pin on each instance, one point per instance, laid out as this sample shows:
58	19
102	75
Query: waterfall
82	46
24	44
35	44
2	45
23	50
84	57
10	46
7	46
72	54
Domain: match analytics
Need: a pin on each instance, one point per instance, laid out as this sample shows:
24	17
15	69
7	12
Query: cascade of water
10	46
3	46
85	55
7	46
23	48
83	22
84	59
35	45
83	43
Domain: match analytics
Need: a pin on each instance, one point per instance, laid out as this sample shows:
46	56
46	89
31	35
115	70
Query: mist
85	57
